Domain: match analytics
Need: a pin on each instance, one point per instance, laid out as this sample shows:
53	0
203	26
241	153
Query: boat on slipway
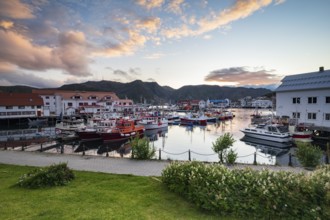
269	132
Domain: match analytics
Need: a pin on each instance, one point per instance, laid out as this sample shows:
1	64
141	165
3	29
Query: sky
239	43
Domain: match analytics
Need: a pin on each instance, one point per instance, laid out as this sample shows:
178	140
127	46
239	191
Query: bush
308	155
141	149
231	156
54	175
250	193
221	146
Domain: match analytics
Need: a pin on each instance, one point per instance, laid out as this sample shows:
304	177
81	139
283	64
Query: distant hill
153	93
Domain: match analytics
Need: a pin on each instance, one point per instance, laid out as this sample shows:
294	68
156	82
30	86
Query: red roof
20	99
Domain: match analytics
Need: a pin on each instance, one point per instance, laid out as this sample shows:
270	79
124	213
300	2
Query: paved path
104	164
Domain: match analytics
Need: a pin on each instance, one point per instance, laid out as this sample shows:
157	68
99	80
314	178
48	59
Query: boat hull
279	138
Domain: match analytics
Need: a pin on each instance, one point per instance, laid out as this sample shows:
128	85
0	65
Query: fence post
160	154
22	147
107	154
326	158
255	158
41	147
189	155
290	160
5	146
62	148
83	150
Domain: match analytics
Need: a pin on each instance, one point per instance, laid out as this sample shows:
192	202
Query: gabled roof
20	99
306	81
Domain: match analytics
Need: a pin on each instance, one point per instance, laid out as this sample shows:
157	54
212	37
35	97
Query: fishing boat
124	129
270	132
153	122
189	119
92	131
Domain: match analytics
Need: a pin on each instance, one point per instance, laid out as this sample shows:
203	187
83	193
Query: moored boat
153	122
300	133
270	132
124	129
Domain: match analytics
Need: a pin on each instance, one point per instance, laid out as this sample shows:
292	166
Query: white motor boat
270	132
153	122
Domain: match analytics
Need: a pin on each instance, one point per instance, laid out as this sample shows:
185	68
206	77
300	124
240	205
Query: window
47	97
311	115
70	104
327	116
21	107
296	115
296	100
312	100
81	103
9	107
32	106
92	97
76	97
47	103
327	99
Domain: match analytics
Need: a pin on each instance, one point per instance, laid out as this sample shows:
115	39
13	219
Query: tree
221	145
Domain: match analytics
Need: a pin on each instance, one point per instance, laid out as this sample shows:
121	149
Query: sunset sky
48	43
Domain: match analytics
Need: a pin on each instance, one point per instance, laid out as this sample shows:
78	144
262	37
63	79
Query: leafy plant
251	193
54	175
308	155
141	148
230	156
221	145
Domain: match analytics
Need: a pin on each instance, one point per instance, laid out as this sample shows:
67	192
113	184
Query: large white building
61	102
306	97
20	105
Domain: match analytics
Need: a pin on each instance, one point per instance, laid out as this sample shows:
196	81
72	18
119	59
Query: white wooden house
306	97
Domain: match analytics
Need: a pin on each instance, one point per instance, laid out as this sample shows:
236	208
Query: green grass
93	196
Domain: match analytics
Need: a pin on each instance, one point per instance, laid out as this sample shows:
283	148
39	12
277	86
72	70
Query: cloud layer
243	76
57	35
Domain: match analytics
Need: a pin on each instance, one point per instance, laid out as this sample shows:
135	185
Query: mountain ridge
153	93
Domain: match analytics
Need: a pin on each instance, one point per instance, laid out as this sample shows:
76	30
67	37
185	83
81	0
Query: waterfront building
262	103
218	103
21	105
61	102
306	98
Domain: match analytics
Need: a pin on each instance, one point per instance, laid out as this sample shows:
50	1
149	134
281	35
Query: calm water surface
176	143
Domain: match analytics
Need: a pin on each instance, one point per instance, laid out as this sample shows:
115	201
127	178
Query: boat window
283	129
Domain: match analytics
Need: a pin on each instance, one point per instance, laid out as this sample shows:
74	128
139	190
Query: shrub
54	175
221	145
251	193
141	149
231	156
308	155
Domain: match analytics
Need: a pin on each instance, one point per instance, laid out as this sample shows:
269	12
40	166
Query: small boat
92	132
37	122
124	129
153	122
70	124
191	120
300	133
270	132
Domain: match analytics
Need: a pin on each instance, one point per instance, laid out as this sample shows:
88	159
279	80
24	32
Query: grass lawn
93	196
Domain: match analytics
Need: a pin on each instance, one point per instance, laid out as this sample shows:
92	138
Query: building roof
68	94
306	81
20	99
